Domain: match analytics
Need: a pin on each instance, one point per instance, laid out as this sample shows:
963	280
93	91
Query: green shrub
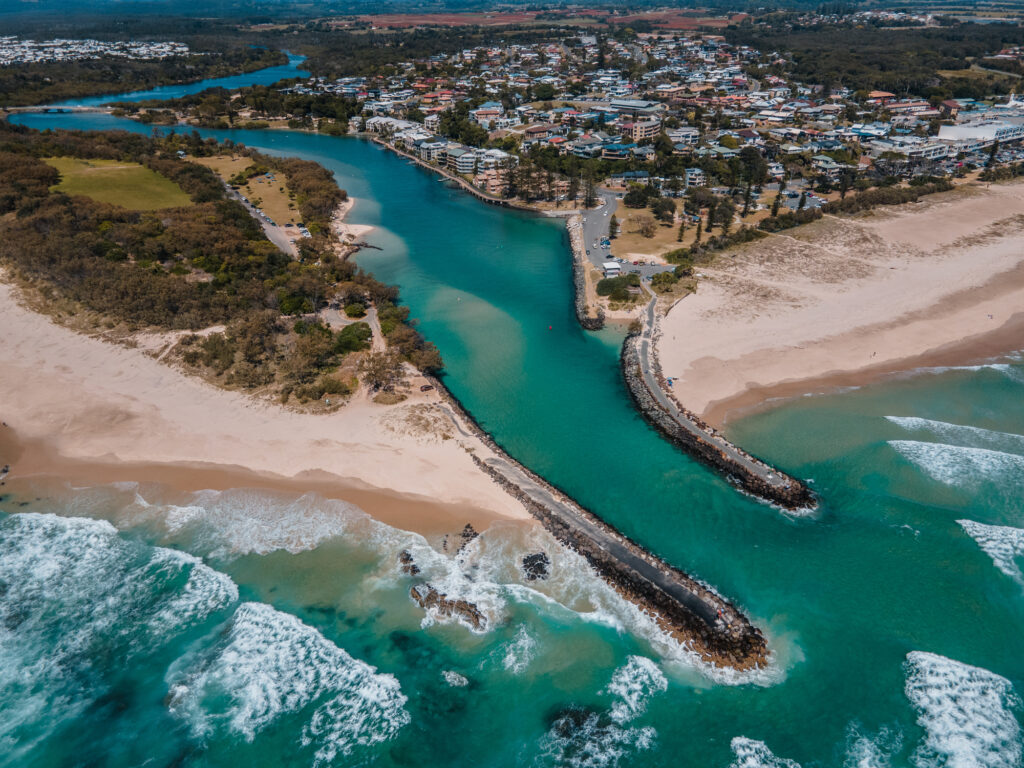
355	310
616	288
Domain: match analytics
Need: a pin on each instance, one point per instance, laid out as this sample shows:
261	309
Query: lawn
128	185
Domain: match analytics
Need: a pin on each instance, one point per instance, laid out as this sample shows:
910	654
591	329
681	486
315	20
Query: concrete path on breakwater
706	621
700	438
620	548
760	469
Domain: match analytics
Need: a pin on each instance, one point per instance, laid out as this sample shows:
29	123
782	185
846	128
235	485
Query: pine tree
803	200
775	205
699	224
682	228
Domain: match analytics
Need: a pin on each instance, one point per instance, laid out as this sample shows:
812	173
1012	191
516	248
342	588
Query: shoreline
849	301
992	346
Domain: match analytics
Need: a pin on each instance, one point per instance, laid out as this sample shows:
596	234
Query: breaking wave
962	434
1000	542
957	465
750	753
633	685
582	738
245	521
268	664
966	713
484	571
119	599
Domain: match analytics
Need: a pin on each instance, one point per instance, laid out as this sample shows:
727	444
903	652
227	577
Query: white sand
846	299
95	400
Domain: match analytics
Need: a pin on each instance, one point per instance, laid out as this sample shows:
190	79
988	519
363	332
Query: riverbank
846	301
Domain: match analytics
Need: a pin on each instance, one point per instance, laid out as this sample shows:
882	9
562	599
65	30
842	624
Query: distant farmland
666	20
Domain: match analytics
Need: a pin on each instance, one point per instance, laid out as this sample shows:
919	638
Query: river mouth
884	571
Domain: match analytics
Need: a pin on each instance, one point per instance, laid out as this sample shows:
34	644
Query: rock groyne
702	441
690	611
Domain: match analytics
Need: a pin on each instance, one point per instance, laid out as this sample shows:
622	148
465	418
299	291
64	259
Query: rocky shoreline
682	606
792	496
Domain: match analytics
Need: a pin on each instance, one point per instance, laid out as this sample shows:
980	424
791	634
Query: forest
195	266
49	82
905	61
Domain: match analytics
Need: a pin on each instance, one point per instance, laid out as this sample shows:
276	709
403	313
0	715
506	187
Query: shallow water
895	624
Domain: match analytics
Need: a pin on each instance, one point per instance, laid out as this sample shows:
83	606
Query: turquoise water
896	629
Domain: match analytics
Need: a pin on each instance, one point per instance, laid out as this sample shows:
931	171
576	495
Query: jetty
690	611
653	398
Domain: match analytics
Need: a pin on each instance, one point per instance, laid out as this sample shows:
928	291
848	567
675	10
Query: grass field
271	197
128	185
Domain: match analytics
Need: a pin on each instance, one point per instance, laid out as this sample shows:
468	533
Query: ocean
236	627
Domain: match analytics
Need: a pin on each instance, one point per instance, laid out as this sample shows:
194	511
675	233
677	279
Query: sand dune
845	300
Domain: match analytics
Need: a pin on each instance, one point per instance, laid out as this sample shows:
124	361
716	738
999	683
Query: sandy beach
845	301
348	233
85	409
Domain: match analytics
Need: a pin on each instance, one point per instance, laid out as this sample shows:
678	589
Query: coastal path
716	616
698	429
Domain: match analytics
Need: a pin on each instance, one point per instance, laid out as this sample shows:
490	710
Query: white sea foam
633	684
454	679
582	739
241	521
959	466
75	594
270	664
966	713
1012	371
962	434
517	654
751	753
1005	545
871	751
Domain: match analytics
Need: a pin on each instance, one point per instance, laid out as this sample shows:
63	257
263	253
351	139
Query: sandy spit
79	407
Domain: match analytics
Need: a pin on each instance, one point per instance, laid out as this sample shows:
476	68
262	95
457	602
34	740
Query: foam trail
962	434
634	684
957	465
865	751
966	713
519	652
1000	542
751	753
270	664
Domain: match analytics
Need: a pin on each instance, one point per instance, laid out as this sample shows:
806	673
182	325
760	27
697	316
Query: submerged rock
408	564
536	566
429	598
468	534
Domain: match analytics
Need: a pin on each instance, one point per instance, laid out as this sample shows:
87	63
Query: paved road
276	235
760	470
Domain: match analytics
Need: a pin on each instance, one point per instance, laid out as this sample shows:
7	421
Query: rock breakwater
702	441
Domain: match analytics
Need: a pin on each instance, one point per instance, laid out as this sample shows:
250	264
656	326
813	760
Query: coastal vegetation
49	82
204	267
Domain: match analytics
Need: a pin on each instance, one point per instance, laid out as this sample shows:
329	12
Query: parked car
426	388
